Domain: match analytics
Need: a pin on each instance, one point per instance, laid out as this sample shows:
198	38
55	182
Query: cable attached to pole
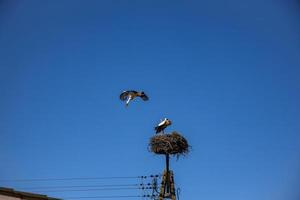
76	178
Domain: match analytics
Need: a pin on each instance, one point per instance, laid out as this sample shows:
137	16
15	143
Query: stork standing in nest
162	125
131	94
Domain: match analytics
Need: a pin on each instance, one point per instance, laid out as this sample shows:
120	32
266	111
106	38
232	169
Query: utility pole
167	189
172	144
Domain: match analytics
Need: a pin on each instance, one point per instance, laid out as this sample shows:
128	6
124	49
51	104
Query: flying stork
129	95
162	125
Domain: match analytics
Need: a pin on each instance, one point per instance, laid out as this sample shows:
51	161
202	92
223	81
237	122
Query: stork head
168	121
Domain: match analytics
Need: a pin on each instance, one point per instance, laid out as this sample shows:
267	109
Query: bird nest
173	144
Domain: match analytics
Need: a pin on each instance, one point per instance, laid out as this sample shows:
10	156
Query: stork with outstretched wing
162	125
131	94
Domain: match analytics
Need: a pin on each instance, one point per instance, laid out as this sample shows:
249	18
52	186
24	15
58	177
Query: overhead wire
91	187
67	179
95	189
78	186
99	197
78	178
85	186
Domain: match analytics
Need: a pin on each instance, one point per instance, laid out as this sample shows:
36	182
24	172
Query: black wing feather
123	95
158	129
145	97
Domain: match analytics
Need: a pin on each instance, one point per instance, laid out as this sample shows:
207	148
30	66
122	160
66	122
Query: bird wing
124	95
145	97
158	129
132	91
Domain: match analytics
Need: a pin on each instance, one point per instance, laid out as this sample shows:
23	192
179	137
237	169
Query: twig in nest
173	144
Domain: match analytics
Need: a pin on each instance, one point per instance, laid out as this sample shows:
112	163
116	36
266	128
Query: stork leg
128	100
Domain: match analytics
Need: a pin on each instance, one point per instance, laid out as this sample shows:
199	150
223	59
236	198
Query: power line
81	186
68	179
94	189
77	178
84	186
94	197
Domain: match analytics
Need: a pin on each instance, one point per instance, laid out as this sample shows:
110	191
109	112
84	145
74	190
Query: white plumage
162	125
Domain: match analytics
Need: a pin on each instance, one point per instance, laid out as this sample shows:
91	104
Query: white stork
131	94
162	125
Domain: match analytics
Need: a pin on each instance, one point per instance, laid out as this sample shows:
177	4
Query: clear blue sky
225	72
